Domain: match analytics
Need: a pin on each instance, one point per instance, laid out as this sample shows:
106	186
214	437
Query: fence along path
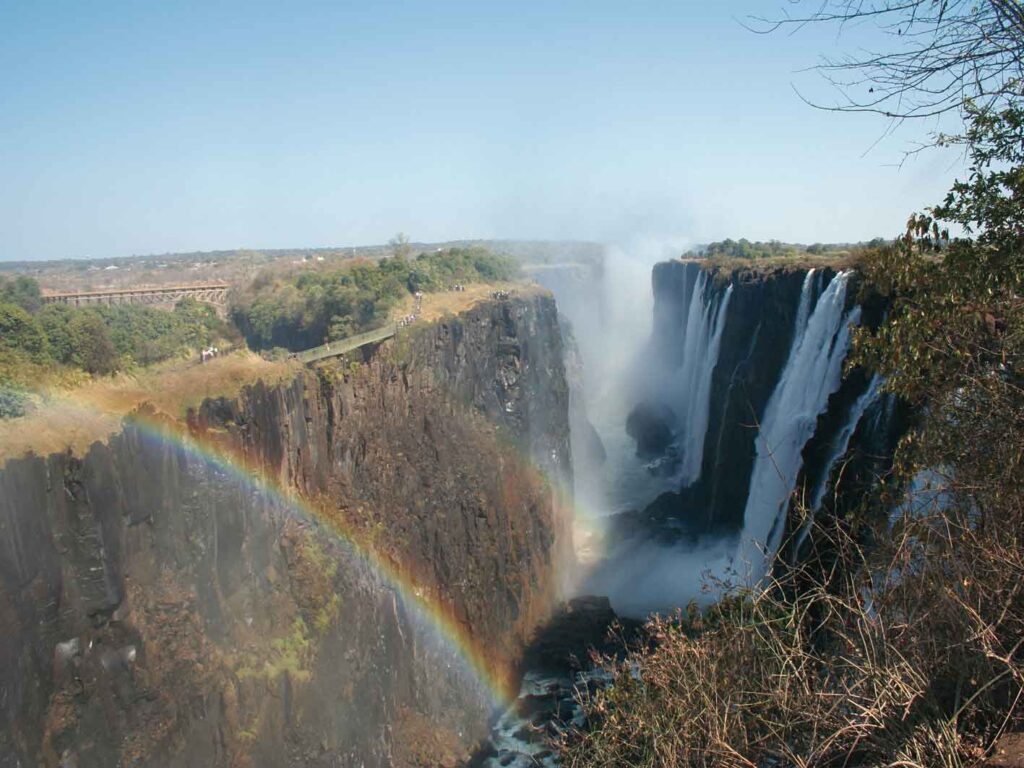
341	346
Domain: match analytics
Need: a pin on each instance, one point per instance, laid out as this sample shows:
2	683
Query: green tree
94	351
54	319
199	323
23	291
19	331
300	311
954	341
13	403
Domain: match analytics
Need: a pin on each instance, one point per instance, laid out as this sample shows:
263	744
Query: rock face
588	452
651	425
754	346
166	606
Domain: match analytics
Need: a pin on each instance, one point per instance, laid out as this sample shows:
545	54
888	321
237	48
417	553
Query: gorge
339	569
741	384
351	566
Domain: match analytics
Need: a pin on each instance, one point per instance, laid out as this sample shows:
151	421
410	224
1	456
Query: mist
642	578
607	315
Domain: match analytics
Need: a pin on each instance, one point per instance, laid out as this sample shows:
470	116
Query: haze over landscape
138	128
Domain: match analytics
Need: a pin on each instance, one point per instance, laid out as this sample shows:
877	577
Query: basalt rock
650	424
165	608
755	345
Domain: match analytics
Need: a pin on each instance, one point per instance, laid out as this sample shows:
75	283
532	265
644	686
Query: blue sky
145	127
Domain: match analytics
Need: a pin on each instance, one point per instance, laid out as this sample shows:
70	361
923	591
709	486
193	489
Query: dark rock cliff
755	344
162	608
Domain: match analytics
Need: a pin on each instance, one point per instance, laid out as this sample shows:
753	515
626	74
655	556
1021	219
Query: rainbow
499	685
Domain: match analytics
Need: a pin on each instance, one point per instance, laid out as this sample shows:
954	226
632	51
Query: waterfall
813	371
842	440
807	294
837	449
705	319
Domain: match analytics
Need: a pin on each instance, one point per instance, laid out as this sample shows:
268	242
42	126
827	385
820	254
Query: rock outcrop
266	592
651	425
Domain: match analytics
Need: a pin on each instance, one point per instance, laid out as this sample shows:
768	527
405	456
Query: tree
23	291
94	351
20	332
198	323
400	246
299	311
944	54
13	403
954	340
54	320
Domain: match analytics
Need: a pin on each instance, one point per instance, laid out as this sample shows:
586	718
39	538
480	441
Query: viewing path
428	307
341	346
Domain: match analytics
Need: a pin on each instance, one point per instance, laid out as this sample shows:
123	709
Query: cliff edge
338	569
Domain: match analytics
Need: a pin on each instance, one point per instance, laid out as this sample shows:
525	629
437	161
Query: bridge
208	293
341	346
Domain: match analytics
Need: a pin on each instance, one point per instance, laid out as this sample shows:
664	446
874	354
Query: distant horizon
146	128
413	243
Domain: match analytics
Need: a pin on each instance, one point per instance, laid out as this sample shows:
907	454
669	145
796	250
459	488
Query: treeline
774	249
40	342
299	311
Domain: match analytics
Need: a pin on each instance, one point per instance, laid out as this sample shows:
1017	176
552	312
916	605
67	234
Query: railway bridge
215	294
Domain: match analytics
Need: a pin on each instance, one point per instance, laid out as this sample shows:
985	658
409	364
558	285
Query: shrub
13	403
909	655
20	331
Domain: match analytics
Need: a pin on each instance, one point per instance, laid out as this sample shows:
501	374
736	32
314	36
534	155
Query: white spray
842	440
692	382
812	373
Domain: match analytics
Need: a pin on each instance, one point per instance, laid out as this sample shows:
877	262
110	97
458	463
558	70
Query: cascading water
676	538
692	384
813	371
842	440
837	449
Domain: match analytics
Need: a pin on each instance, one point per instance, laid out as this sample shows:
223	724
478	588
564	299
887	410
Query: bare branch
945	53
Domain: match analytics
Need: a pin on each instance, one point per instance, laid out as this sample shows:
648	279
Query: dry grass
438	305
909	656
79	416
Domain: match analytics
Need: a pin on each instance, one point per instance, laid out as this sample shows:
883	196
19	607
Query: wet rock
755	344
560	670
651	426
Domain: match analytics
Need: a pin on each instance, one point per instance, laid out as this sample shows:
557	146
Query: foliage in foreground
907	656
906	651
302	310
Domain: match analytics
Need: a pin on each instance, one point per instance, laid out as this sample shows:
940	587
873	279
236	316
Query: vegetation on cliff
59	344
776	250
299	310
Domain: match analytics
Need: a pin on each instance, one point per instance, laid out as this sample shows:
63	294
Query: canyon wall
163	608
749	364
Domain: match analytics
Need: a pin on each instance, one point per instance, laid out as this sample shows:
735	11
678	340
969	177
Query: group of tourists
415	314
458	288
208	354
501	295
